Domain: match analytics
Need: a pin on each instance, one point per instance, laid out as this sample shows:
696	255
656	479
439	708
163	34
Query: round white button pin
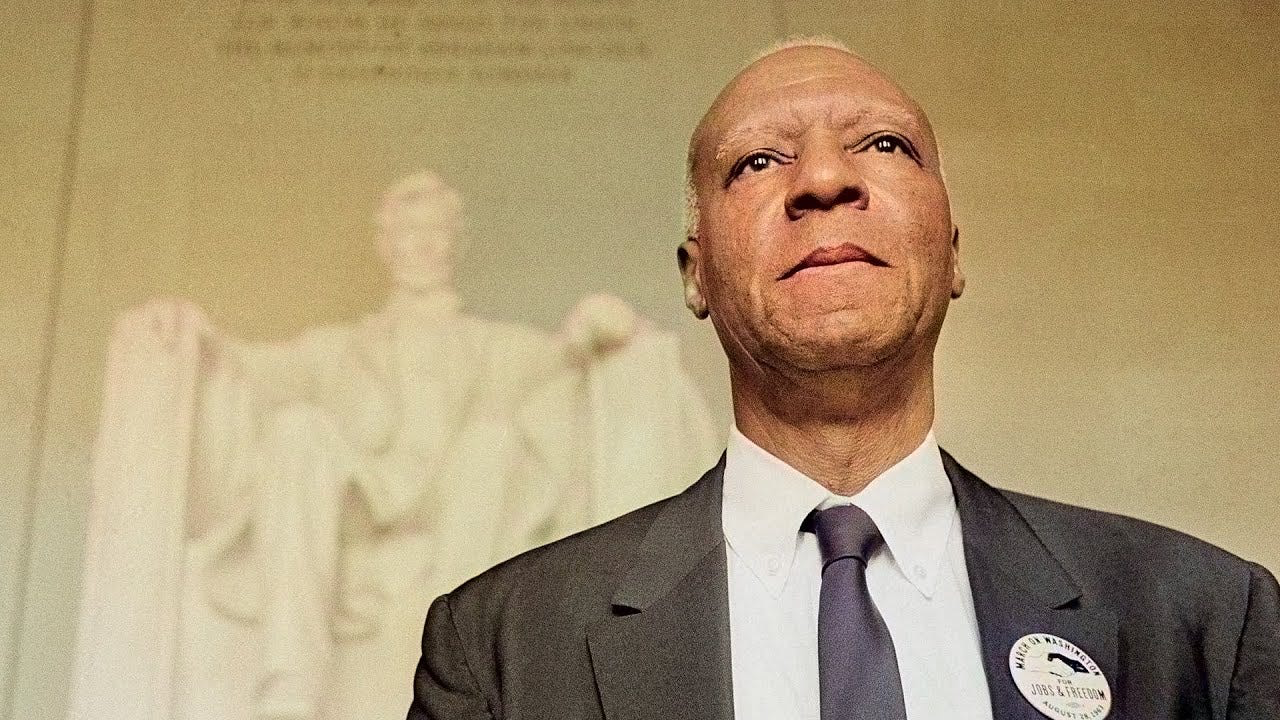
1058	678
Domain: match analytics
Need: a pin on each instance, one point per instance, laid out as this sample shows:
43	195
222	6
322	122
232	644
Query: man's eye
890	143
754	163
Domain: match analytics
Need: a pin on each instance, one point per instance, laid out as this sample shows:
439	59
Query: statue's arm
149	496
174	380
598	326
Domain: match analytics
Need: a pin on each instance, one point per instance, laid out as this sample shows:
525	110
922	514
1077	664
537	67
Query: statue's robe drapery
269	525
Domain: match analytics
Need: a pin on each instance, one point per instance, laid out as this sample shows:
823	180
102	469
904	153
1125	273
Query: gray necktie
857	668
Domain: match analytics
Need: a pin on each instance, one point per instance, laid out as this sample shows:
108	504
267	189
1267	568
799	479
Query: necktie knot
844	531
857	666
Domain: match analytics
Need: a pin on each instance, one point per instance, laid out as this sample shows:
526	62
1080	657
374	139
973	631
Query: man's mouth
834	255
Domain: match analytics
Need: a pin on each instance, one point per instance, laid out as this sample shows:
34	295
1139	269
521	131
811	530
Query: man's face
825	238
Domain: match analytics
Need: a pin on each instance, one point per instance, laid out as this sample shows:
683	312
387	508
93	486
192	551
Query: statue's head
419	221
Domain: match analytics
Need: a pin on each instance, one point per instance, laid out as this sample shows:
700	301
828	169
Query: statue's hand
165	323
598	325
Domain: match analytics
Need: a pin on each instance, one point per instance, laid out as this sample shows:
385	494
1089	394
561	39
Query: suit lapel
1019	588
665	652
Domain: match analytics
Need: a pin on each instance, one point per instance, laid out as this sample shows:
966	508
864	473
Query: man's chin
833	352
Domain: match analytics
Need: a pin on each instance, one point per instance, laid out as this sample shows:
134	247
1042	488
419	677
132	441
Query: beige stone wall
38	53
1113	171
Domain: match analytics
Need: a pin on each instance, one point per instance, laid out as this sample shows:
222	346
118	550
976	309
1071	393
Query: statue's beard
423	282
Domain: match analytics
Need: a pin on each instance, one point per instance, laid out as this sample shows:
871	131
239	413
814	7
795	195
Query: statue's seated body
271	520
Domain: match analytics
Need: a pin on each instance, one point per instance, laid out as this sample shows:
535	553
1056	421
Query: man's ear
957	274
689	257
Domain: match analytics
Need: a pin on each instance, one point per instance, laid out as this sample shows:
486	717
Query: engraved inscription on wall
433	41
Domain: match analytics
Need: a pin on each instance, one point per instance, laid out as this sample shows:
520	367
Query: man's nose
826	178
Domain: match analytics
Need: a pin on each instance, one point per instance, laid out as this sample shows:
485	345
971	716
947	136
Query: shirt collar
766	500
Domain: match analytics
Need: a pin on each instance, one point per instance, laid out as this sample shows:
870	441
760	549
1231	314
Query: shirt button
772	565
919	572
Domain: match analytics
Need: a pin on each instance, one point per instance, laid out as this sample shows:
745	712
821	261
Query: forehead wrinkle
906	120
893	105
787	129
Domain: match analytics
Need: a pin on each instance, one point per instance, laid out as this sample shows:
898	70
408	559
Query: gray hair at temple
690	190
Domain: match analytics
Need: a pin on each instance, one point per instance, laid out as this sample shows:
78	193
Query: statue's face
417	243
825	238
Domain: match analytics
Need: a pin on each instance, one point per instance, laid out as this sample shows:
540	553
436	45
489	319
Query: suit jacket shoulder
510	640
1197	628
582	568
1106	553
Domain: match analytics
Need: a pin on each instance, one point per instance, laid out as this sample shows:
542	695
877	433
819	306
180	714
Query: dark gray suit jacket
629	620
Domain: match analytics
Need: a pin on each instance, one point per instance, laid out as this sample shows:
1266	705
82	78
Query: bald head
759	83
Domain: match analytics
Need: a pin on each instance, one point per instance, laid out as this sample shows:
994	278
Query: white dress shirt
917	580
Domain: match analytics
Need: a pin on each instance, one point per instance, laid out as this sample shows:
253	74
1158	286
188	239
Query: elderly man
836	563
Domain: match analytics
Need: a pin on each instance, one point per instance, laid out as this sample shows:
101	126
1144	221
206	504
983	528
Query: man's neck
844	441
